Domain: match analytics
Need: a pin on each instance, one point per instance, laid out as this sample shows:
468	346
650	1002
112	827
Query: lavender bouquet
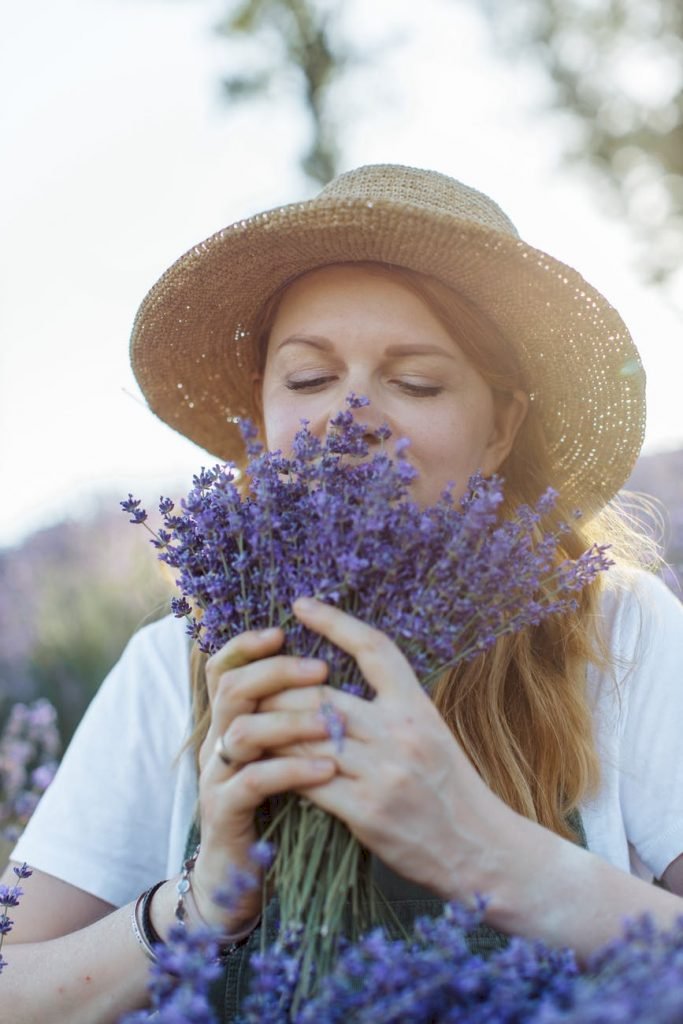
337	522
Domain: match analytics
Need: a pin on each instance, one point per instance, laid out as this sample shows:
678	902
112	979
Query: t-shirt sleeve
651	778
104	823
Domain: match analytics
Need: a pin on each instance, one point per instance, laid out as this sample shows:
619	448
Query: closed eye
419	390
416	390
308	385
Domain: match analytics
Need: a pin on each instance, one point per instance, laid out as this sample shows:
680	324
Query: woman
409	288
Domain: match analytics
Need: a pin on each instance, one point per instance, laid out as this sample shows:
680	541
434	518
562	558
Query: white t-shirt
117	815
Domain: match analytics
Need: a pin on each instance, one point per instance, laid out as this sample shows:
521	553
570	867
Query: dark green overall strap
192	841
407	900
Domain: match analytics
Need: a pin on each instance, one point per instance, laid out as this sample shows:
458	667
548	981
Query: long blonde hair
520	711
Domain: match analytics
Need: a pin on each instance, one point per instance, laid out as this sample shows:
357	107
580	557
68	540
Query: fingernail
304	604
266	634
321	767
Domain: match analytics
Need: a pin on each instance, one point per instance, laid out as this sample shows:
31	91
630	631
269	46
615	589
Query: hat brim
193	352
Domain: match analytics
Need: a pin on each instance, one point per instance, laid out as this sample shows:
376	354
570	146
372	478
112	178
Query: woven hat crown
434	193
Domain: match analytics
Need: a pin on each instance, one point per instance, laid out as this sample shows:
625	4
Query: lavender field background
660	476
72	594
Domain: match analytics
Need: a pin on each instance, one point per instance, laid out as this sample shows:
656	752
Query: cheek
455	448
276	428
273	414
462	436
280	424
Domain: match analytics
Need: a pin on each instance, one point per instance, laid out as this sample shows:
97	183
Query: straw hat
193	352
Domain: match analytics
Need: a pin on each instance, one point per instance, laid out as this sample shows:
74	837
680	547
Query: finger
242	649
339	795
246	789
240	689
248	737
359	717
381	662
353	758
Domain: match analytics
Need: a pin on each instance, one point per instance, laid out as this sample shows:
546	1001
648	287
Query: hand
403	785
242	674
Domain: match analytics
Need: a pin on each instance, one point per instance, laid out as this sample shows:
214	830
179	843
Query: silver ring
222	752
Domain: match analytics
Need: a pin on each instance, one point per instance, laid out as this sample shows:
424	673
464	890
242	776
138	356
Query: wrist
482	849
234	925
242	916
529	878
165	905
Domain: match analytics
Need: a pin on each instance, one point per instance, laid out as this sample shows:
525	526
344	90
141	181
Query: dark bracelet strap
146	927
141	923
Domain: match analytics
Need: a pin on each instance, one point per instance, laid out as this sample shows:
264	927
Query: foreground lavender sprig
179	980
29	751
336	521
9	900
637	978
434	976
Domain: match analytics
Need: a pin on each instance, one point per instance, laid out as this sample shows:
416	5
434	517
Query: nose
372	416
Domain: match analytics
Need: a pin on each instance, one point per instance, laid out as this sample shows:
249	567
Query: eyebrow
324	344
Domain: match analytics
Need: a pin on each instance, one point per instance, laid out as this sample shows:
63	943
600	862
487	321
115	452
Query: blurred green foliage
70	597
615	67
614	70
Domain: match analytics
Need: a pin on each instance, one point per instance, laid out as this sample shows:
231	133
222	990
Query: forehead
340	275
367	292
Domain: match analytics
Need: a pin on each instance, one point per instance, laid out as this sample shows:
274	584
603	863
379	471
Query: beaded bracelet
147	935
227	943
183	886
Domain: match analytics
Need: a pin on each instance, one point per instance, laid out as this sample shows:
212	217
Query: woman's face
342	329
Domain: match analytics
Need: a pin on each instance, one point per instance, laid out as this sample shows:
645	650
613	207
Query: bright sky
120	154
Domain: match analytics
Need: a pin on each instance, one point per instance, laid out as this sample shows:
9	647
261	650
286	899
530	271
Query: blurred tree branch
306	36
617	67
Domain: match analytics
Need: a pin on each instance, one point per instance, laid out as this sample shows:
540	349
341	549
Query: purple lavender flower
180	607
638	977
262	854
348	532
179	981
10	897
334	723
434	976
132	506
29	747
239	883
